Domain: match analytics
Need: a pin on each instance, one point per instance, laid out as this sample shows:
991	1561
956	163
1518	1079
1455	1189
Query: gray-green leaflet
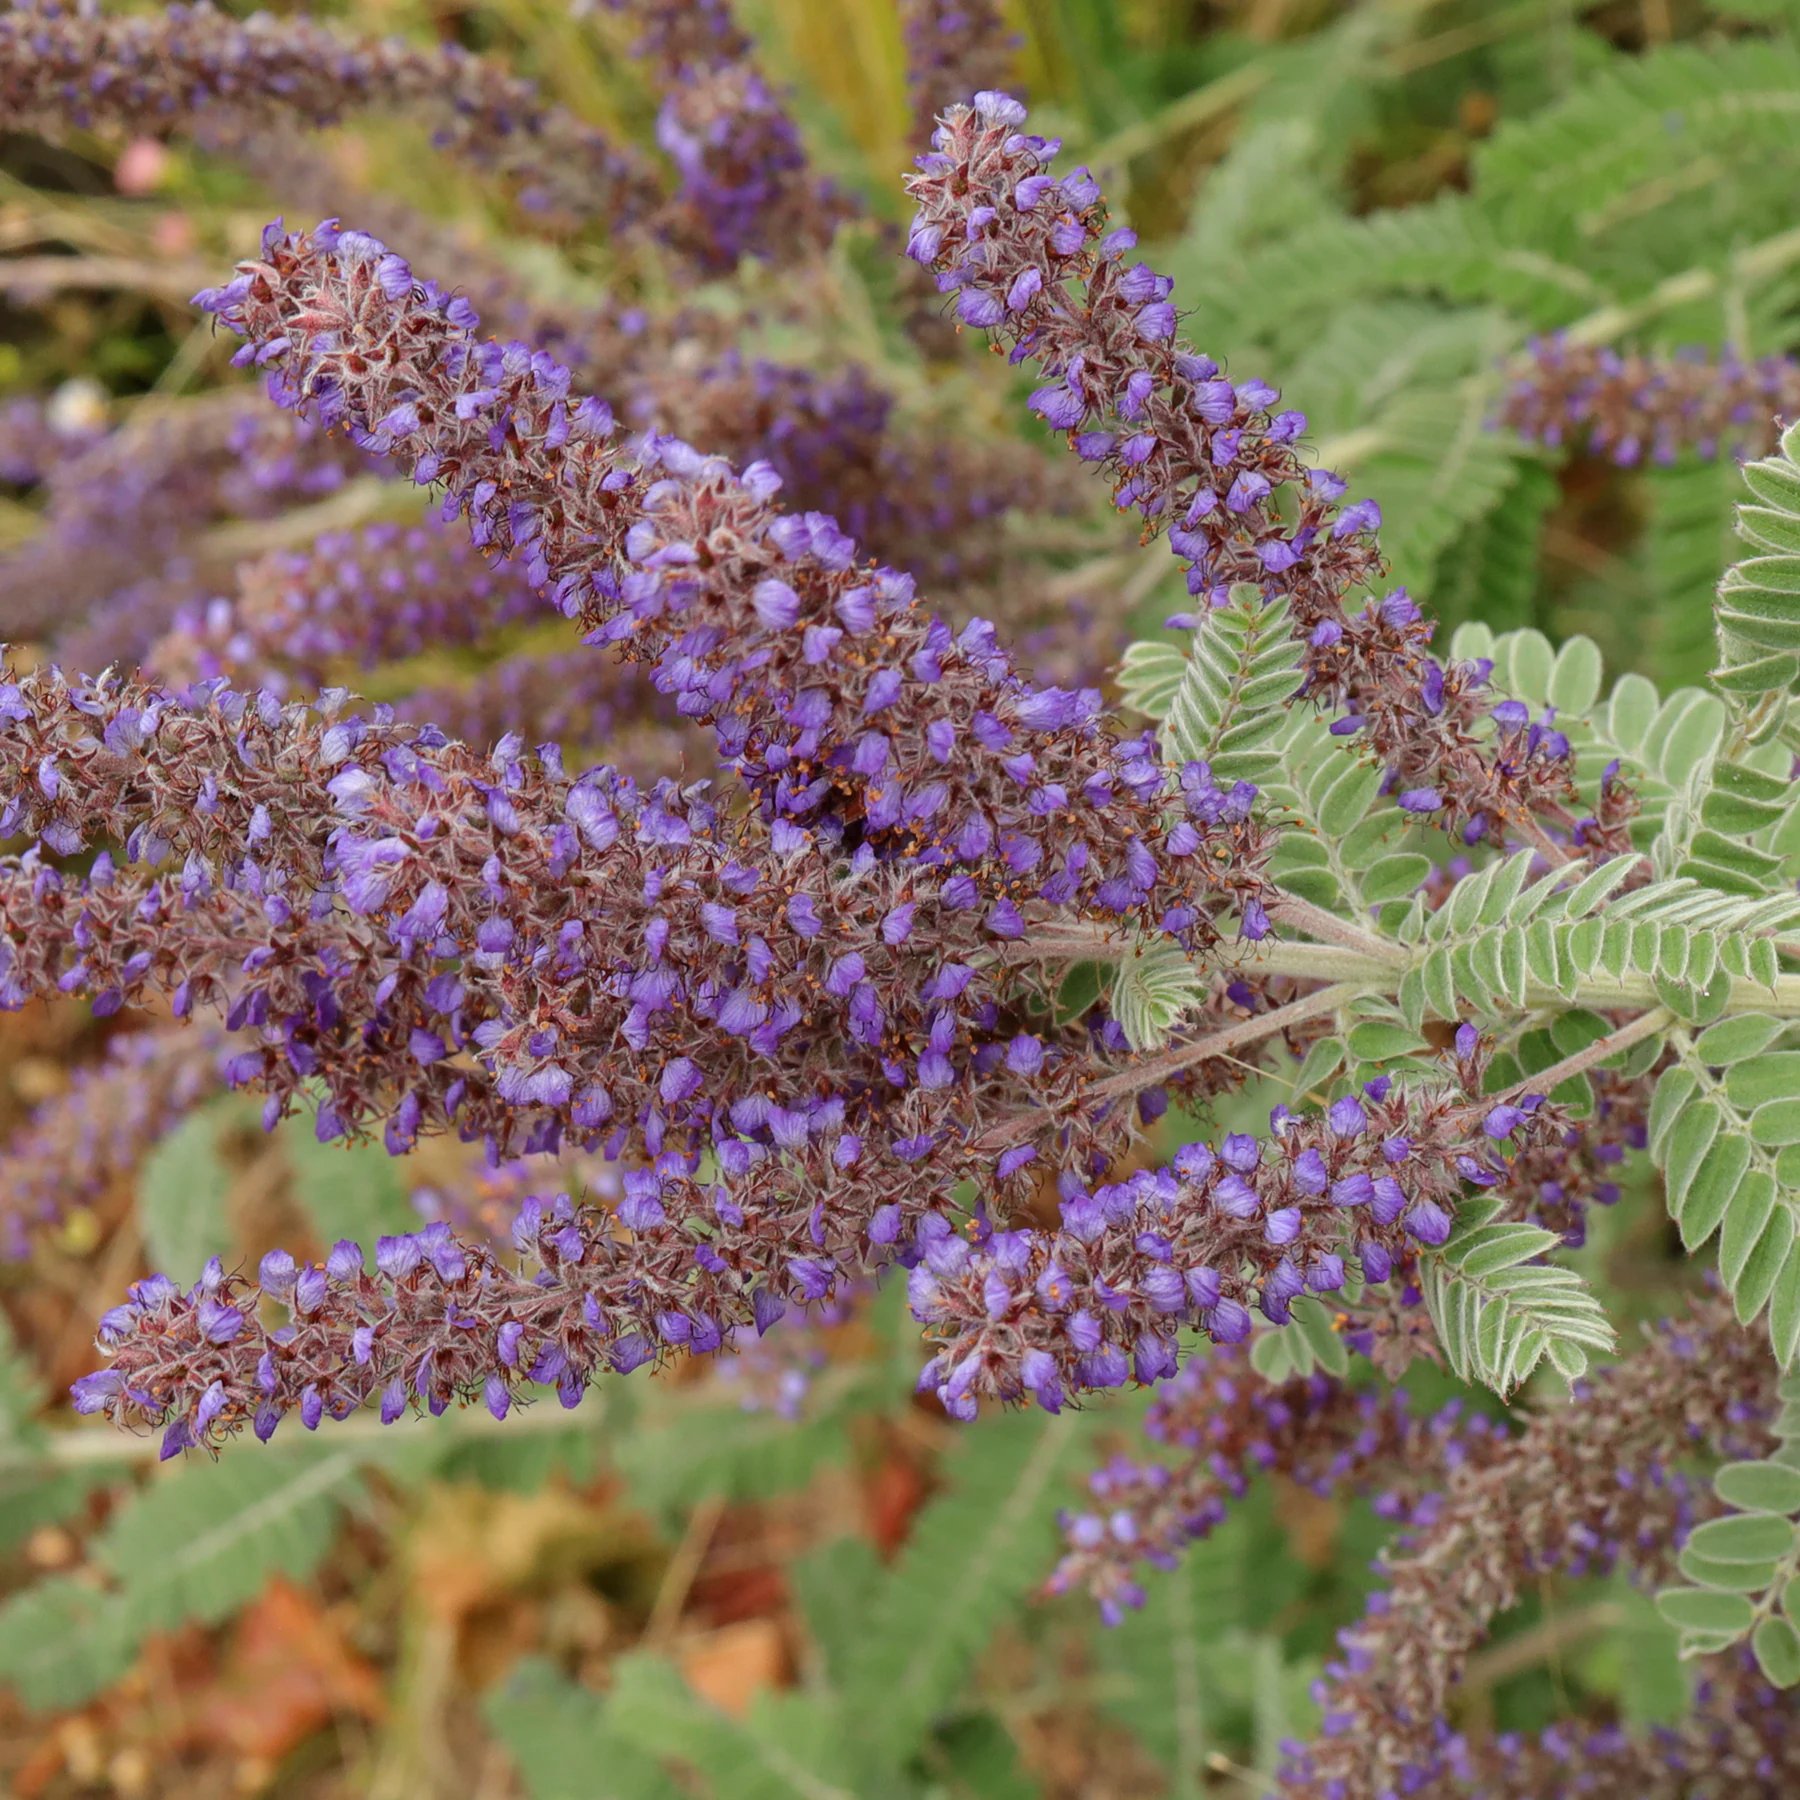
1742	1571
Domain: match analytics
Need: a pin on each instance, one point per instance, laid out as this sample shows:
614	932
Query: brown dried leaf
730	1665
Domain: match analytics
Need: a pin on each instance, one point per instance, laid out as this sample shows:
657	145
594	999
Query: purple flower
1503	1121
1365	515
1388	1199
777	605
976	306
1058	406
1428	1222
1241	1152
1228	1322
1236	1198
680	1080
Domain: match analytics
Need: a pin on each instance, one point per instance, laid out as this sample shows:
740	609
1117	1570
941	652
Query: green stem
1193	109
1748	266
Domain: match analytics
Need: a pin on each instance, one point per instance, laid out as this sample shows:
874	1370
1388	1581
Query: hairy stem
1232	1037
1330	929
1644	1025
1197	1050
1378	965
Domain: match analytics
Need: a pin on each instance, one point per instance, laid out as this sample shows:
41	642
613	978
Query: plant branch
1514	1655
1185	114
1347	950
1328	928
360	501
1645	1025
1183	1056
1228	1038
32	279
1378	965
89	1446
684	1566
1748	265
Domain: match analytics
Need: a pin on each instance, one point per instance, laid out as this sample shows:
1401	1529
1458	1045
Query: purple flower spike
795	1010
1215	463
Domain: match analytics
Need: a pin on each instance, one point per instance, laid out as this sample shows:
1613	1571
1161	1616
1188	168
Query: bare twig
1525	1651
684	1565
37	277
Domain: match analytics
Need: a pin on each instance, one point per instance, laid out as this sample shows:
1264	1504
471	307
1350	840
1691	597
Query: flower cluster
99	1129
1583	1488
383	907
743	182
1633	407
746	186
609	341
1737	1743
954	48
350	599
924	496
355	600
190	69
442	1319
932	503
1253	1223
439	1319
1232	1425
748	933
1028	257
817	995
846	709
122	542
